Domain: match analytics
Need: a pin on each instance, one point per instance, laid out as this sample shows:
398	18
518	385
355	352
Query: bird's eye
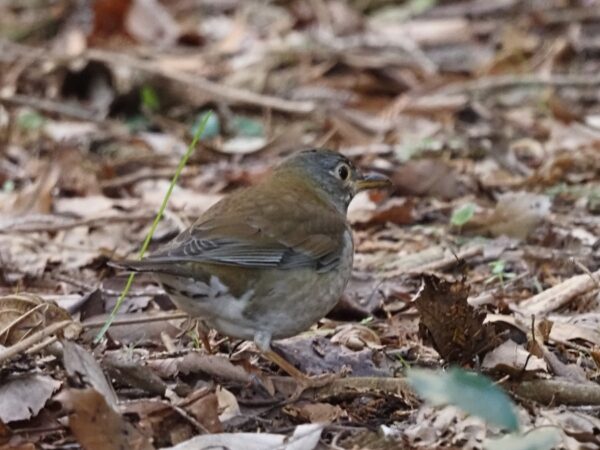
343	172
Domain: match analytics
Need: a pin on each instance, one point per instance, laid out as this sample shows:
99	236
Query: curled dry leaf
228	404
22	397
315	412
356	337
454	327
23	314
96	425
512	358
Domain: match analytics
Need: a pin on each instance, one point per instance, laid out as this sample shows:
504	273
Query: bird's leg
263	341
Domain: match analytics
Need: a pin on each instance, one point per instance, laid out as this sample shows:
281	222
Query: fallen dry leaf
204	407
317	355
35	197
455	328
356	337
82	365
305	437
516	215
24	314
511	358
428	177
315	412
23	396
228	404
97	426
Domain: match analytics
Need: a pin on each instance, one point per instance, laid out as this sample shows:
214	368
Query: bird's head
332	175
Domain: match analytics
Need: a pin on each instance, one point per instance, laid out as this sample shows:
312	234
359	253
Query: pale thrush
268	261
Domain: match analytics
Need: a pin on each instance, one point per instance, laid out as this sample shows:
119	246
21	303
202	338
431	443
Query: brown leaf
513	359
82	365
22	397
228	404
427	177
36	197
315	412
23	314
109	19
97	426
204	406
455	328
149	21
356	337
399	211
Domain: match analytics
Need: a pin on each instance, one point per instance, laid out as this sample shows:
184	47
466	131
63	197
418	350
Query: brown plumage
268	261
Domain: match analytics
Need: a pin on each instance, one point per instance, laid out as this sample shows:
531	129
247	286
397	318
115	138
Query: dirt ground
484	258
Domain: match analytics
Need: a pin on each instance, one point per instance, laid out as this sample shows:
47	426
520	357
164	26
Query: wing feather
247	231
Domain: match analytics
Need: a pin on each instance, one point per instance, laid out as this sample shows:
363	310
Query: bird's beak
372	181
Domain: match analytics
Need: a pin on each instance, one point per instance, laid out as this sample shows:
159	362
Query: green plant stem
184	159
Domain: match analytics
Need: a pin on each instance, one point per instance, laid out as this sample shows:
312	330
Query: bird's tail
132	265
151	266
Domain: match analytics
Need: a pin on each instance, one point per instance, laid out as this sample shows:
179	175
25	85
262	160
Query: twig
213	90
159	318
503	82
449	260
30	225
42	345
143	174
28	342
557	392
50	106
21	318
435	258
163	206
559	295
209	88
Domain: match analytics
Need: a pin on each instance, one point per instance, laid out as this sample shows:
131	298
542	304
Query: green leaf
31	121
474	394
182	162
137	123
212	127
245	126
462	215
537	439
8	186
498	267
150	99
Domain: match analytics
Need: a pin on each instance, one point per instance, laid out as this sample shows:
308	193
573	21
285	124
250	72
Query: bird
268	261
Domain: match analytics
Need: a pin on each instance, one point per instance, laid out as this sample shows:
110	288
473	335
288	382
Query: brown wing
249	229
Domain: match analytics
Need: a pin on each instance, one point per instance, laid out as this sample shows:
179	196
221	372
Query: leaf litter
483	256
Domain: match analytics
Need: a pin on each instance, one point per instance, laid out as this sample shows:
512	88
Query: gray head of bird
331	175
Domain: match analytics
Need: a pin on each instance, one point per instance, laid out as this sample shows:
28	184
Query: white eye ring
342	171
